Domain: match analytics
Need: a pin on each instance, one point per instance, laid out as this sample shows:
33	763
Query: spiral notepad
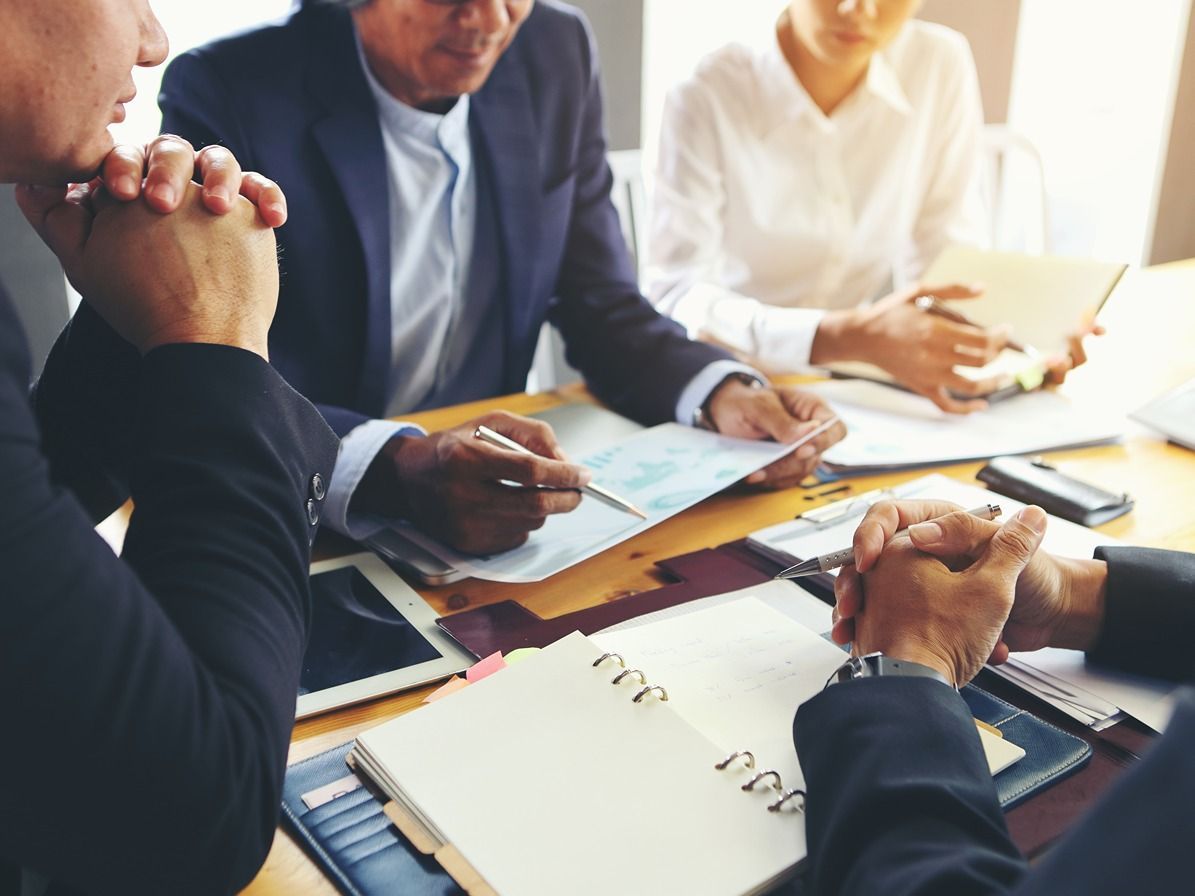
586	769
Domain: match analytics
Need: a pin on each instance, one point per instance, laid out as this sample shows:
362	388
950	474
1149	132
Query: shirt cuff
357	450
699	388
777	338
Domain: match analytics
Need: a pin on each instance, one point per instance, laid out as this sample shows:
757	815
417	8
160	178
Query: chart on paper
661	470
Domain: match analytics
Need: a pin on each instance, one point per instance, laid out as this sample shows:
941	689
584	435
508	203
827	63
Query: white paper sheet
662	470
888	428
1146	699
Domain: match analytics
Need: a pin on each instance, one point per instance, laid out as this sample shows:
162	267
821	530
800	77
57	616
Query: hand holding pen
490	437
984	587
454	487
592	489
846	556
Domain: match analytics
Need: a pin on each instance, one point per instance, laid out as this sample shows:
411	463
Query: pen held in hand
845	556
606	496
933	305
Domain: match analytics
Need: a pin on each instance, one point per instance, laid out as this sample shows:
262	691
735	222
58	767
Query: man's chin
83	164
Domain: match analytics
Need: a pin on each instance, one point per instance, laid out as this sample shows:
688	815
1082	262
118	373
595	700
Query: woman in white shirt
798	183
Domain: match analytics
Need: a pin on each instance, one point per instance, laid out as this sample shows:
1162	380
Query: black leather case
1036	482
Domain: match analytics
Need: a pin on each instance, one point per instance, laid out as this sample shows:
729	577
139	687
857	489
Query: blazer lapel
347	131
505	126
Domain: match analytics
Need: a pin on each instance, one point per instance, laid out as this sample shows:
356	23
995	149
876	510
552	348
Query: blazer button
318	490
312	512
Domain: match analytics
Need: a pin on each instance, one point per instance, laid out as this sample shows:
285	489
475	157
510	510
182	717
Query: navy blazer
901	801
291	101
155	691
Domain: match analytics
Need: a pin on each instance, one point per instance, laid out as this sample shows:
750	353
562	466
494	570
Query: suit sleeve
155	695
197	105
632	358
86	417
901	802
900	799
1149	613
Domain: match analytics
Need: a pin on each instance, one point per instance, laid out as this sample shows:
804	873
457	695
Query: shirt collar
450	130
883	83
787	100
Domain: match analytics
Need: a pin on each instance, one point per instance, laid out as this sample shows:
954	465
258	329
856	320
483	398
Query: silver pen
604	495
836	559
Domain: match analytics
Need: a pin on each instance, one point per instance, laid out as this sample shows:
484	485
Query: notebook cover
350	838
507	625
1050	753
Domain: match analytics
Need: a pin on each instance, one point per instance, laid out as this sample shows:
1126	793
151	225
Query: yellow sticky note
517	656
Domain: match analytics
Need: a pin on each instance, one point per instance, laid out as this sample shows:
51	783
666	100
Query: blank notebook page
737	672
549	780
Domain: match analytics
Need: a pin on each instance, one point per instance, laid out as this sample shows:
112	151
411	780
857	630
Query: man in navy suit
446	171
149	697
900	799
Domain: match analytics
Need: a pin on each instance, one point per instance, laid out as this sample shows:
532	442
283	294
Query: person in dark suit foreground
900	799
447	166
148	698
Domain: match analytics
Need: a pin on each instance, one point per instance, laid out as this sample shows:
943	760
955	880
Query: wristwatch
876	665
701	416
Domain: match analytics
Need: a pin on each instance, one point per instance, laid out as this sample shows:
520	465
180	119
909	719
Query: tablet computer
371	635
1172	414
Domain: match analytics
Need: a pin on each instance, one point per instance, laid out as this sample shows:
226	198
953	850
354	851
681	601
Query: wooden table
1151	322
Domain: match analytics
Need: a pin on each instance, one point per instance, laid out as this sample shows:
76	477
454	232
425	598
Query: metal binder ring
746	755
625	672
663	694
788	795
608	656
776	784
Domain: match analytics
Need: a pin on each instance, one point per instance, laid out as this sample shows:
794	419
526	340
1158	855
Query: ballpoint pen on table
604	495
836	559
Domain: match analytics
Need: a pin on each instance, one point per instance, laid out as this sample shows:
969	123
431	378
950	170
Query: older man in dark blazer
446	169
148	698
900	799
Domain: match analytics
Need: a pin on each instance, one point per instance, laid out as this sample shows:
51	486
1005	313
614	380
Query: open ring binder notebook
649	760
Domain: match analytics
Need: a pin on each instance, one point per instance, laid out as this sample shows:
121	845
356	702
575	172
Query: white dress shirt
767	213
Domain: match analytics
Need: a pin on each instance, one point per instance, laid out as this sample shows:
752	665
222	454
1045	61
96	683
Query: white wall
188	25
1093	86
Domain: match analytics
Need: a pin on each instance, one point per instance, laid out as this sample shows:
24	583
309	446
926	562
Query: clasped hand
186	264
953	593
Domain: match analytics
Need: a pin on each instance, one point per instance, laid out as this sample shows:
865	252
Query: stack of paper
890	429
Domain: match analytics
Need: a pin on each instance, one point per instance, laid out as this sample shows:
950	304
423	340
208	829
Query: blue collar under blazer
290	100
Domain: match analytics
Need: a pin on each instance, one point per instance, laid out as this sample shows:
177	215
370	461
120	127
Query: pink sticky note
451	686
487	667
